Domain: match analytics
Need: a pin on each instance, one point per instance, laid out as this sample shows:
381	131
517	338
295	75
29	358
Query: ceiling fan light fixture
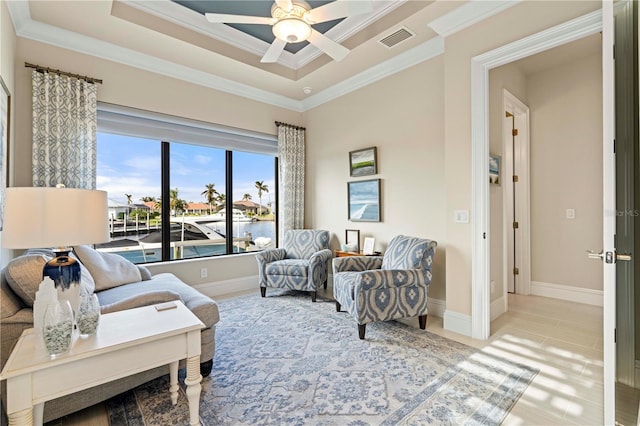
291	30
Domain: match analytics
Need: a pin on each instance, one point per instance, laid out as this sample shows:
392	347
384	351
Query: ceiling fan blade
328	46
339	9
285	5
274	51
222	18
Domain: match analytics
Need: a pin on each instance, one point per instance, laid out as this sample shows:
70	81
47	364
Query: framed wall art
494	169
364	200
363	162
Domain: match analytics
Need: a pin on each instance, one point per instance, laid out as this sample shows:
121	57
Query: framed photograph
367	247
364	200
5	117
352	240
494	169
363	162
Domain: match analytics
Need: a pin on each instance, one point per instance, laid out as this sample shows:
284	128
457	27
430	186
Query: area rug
283	360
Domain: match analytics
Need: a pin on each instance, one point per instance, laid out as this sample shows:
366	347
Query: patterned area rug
285	360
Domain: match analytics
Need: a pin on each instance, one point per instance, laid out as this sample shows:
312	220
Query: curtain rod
68	74
279	123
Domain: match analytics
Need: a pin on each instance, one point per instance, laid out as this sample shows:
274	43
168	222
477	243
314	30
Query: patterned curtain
64	131
291	184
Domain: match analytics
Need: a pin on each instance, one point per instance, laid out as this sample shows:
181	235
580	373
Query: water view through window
129	169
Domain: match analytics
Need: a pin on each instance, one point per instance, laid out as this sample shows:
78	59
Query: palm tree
210	194
261	187
176	203
246	197
129	201
221	200
147	198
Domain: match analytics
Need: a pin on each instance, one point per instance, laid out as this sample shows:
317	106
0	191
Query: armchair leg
361	330
422	319
338	306
205	368
325	284
313	296
263	291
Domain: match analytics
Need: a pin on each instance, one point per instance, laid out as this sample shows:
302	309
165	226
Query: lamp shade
38	217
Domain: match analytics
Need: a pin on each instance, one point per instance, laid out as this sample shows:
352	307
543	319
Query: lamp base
65	273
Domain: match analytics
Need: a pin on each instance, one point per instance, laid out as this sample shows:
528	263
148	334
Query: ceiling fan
291	22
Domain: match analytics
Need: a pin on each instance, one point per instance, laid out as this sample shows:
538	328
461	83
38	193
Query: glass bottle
88	315
57	328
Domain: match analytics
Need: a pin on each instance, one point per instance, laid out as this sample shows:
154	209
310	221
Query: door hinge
516	271
615	335
515	178
514	132
515	225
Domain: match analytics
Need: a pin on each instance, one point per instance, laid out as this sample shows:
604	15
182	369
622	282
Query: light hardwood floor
561	339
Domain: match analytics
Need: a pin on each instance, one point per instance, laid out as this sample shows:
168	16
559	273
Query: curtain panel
64	131
291	145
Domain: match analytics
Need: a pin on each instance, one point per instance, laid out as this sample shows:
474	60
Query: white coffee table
127	342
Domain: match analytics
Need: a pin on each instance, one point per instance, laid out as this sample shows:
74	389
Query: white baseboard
221	288
497	308
458	323
436	307
566	292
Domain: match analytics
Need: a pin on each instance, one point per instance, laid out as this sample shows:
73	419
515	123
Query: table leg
193	389
38	414
21	418
173	382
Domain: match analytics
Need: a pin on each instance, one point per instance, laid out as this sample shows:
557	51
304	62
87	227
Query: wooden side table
126	343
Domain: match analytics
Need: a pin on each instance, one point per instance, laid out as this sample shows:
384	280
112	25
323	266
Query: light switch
571	214
461	216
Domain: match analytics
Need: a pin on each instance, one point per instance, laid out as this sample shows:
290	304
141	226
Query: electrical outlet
571	214
493	286
204	272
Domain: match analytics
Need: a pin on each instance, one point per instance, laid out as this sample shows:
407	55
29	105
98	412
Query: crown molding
468	14
414	56
49	34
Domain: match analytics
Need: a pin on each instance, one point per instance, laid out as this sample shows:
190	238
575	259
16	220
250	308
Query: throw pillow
108	270
24	274
404	253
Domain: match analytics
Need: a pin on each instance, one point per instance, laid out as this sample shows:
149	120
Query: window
195	166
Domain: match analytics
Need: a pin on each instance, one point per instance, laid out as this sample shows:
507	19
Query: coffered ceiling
174	38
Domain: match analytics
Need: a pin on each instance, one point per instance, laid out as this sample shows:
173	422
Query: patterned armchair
301	264
376	288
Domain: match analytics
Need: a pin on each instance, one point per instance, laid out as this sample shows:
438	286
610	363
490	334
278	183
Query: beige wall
7	59
403	117
566	173
132	87
511	78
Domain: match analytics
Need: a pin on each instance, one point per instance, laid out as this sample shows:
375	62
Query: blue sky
128	165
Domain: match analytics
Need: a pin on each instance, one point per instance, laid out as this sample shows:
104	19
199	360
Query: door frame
520	113
567	32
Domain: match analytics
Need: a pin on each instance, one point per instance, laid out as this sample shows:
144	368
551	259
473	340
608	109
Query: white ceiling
164	37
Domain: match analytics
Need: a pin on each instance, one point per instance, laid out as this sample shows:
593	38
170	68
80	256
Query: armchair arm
393	278
318	266
356	263
270	255
264	258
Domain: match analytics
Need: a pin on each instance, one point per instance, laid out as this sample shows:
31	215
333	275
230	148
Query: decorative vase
65	273
57	329
88	314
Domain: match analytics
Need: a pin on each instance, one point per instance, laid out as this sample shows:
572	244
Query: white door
609	217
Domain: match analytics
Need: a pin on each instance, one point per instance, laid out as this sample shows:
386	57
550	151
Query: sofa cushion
108	270
292	267
202	306
24	275
139	300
